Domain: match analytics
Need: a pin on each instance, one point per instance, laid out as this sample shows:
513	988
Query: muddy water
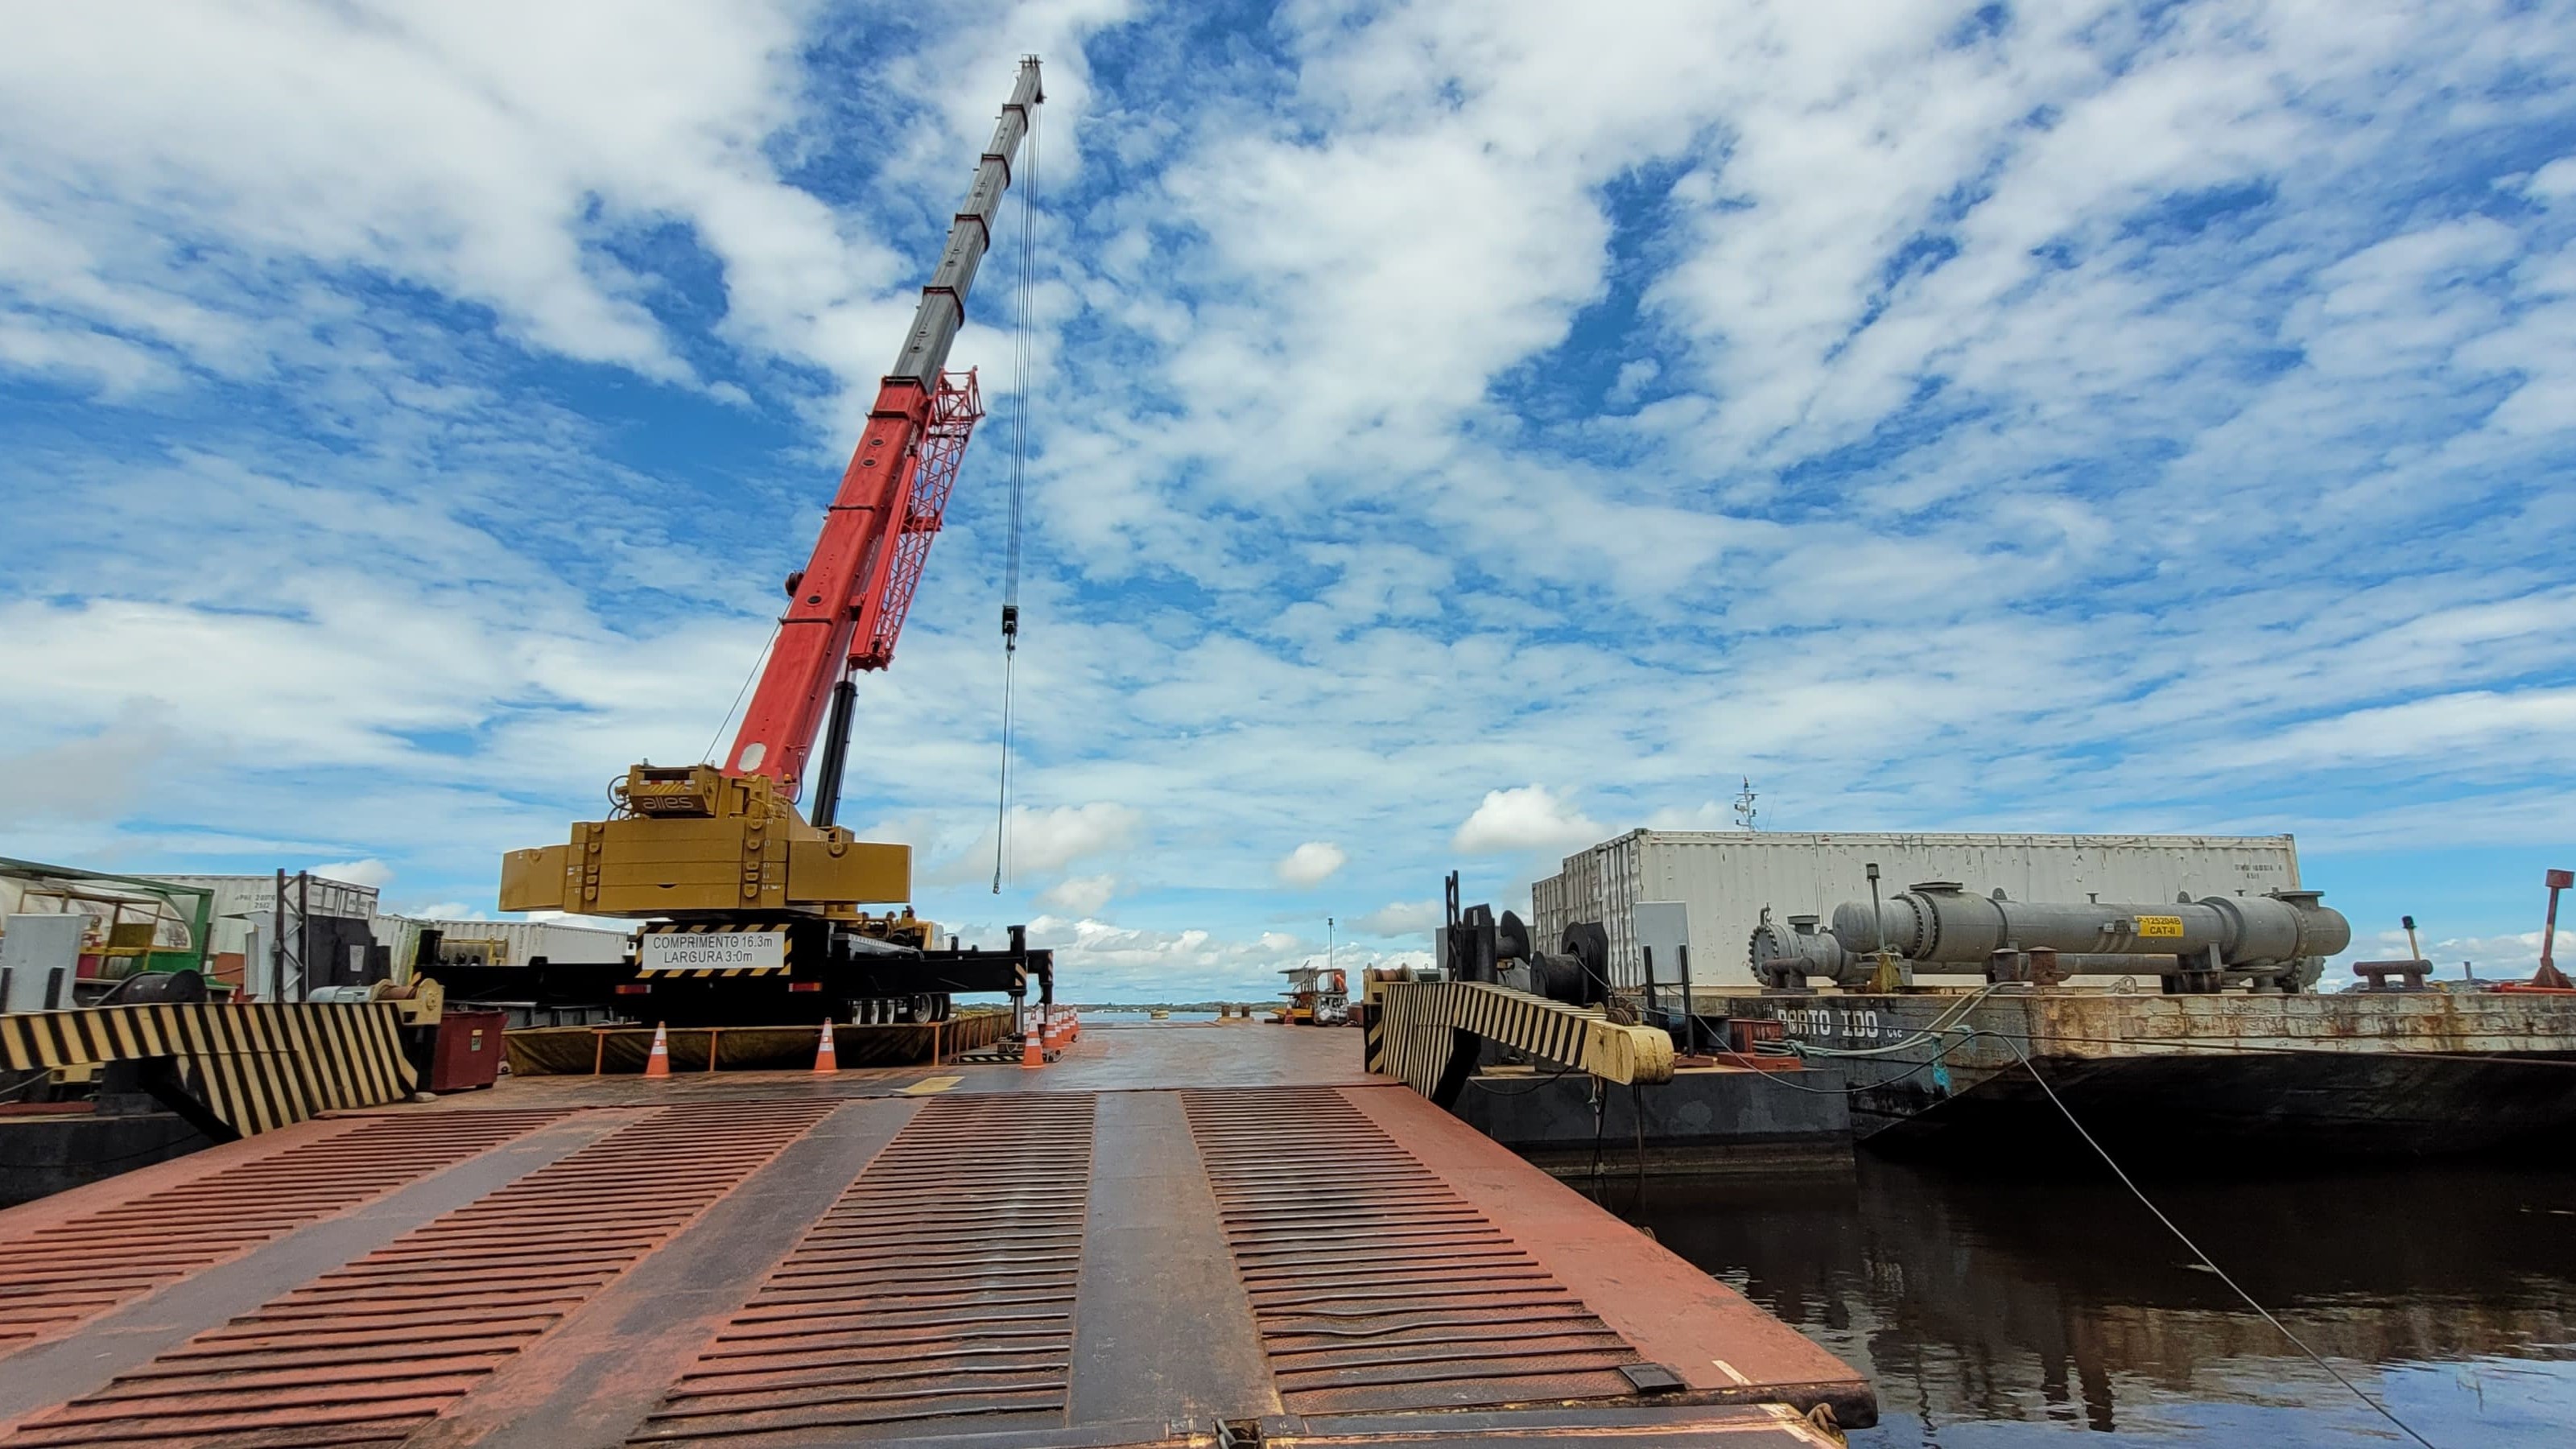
1994	1312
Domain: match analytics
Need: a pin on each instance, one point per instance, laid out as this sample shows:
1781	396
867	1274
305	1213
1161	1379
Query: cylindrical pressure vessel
1783	957
1940	922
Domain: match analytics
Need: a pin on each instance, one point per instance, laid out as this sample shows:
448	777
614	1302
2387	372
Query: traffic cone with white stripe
1033	1045
657	1062
824	1059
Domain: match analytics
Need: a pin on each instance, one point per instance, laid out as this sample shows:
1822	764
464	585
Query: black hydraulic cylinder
1690	1008
836	753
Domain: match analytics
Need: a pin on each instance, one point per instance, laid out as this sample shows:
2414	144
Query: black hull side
2183	1108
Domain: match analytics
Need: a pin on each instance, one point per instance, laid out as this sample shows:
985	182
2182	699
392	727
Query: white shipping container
246	904
1726	878
506	943
256	895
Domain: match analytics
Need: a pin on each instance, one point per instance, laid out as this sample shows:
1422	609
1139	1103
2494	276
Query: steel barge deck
1176	1235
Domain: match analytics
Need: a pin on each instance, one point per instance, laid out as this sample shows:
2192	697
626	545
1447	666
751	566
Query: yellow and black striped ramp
251	1067
787	948
1429	1034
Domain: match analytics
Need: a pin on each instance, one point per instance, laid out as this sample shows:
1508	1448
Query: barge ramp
1175	1235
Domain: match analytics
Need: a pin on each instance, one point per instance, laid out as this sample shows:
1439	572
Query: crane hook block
1010	621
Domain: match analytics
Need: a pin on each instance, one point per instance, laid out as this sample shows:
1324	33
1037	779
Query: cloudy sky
1458	434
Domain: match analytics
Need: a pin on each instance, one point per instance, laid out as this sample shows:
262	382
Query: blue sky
1460	434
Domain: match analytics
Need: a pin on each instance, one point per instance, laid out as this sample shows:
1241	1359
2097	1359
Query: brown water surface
1994	1311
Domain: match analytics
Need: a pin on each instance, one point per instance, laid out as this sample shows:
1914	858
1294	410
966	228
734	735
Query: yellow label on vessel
2159	925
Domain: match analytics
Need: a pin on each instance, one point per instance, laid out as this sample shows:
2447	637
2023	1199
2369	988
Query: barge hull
2340	1076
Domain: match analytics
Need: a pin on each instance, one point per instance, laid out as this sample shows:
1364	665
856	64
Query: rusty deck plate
1168	1232
61	1268
925	1294
1376	1286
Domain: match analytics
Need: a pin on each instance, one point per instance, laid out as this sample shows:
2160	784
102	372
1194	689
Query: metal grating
367	1353
1376	1287
63	1274
939	1287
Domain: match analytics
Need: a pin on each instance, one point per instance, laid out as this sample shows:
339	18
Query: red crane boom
846	607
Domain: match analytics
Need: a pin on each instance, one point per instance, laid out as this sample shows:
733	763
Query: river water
1994	1312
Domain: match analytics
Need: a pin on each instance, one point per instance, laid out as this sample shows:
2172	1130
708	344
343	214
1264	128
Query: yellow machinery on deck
750	899
691	842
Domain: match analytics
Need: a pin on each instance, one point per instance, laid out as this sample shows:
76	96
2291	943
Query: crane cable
1023	310
708	755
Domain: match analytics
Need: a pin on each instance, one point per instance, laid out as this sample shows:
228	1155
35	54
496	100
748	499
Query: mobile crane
754	908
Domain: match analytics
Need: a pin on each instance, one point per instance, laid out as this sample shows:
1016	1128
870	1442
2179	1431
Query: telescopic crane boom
846	606
720	850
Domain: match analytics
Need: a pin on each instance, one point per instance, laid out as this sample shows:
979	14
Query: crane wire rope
708	755
1023	310
1970	1034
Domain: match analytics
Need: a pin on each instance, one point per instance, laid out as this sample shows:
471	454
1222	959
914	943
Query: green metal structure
199	916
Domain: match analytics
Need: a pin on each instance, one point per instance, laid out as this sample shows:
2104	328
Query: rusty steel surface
370	1351
2349	1073
592	1380
1724	1348
939	1288
1170	1230
2086	1023
60	1273
1375	1285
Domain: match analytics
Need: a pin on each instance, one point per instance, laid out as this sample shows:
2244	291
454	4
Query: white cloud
1631	380
2510	956
2055	424
1399	918
1311	864
1527	817
369	872
1044	840
1083	895
1706	815
93	777
1096	961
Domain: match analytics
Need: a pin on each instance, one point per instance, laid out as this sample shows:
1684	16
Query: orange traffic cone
657	1062
1033	1045
824	1059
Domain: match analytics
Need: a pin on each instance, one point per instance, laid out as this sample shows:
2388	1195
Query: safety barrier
1429	1034
249	1067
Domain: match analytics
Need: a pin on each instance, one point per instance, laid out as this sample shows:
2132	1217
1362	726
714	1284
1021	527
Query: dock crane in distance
752	909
